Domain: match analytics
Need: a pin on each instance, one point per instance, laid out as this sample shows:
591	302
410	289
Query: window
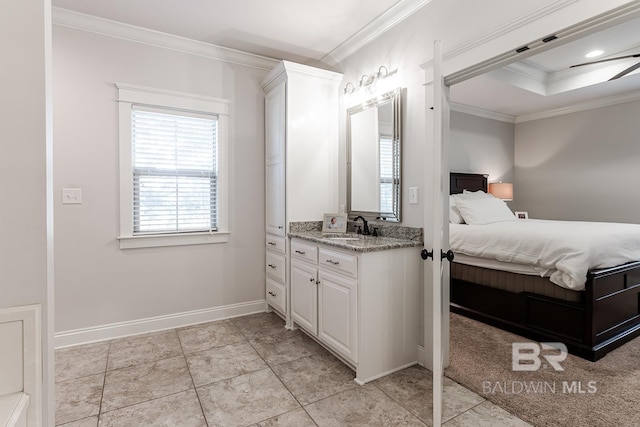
172	168
174	172
386	174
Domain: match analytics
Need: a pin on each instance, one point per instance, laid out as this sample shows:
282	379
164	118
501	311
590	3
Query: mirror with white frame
373	157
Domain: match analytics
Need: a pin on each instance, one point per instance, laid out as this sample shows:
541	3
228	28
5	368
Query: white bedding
494	264
563	250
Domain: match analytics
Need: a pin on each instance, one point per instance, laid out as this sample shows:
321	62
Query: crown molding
481	39
80	21
527	71
280	71
584	106
480	112
396	14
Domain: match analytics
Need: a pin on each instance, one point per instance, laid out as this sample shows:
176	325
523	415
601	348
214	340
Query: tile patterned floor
247	371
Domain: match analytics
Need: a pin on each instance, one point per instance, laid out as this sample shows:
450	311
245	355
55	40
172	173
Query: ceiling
544	83
309	31
295	30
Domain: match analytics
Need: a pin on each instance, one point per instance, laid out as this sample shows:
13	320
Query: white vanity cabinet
301	160
324	301
363	306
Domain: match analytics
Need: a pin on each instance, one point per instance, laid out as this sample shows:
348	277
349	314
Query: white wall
96	282
406	48
410	44
471	32
580	166
481	145
25	235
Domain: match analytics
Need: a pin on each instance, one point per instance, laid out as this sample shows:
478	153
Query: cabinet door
276	295
338	313
304	296
275	160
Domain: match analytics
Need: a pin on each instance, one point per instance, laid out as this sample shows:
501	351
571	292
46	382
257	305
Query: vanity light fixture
367	80
349	88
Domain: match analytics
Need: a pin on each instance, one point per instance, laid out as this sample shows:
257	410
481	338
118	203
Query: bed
591	318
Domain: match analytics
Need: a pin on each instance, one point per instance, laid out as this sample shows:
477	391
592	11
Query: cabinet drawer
304	251
276	243
276	295
339	261
276	266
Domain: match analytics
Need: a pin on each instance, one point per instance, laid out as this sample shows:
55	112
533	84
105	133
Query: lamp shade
502	190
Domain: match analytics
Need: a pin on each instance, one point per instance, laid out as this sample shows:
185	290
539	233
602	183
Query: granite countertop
363	244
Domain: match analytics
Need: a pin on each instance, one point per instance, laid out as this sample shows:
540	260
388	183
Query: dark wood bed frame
606	316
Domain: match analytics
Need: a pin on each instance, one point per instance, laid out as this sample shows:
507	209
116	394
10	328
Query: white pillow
454	213
484	210
474	194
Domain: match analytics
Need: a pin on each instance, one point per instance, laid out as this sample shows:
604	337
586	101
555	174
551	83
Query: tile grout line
268	366
281	382
140	364
104	381
304	407
195	390
464	412
249	331
373	383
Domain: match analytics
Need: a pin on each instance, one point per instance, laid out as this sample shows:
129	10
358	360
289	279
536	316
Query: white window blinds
386	174
174	156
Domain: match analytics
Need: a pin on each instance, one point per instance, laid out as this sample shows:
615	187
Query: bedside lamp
502	190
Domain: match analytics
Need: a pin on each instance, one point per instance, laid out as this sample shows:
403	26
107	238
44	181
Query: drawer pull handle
272	266
271	243
280	227
330	261
300	252
272	294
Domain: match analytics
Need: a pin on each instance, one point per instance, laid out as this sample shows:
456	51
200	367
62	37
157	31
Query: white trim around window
130	95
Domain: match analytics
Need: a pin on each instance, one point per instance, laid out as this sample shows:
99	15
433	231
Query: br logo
526	356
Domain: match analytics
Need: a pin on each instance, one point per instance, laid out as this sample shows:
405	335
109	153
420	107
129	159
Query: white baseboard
384	374
13	410
421	356
153	324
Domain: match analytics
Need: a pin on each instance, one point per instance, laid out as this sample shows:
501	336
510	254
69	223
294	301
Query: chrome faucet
365	226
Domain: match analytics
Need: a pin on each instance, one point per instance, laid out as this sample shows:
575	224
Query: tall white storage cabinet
301	154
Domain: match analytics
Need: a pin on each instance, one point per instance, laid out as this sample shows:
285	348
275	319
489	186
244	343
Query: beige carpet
602	393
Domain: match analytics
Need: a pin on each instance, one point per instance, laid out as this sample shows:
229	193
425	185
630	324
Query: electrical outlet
413	195
72	196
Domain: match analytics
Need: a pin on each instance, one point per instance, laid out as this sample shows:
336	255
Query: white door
304	295
436	221
337	312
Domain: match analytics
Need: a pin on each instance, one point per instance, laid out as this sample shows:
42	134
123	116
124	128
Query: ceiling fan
620	74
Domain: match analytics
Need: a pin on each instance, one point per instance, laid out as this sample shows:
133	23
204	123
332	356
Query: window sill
160	240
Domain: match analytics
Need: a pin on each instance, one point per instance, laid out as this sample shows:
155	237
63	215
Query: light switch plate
72	196
413	195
